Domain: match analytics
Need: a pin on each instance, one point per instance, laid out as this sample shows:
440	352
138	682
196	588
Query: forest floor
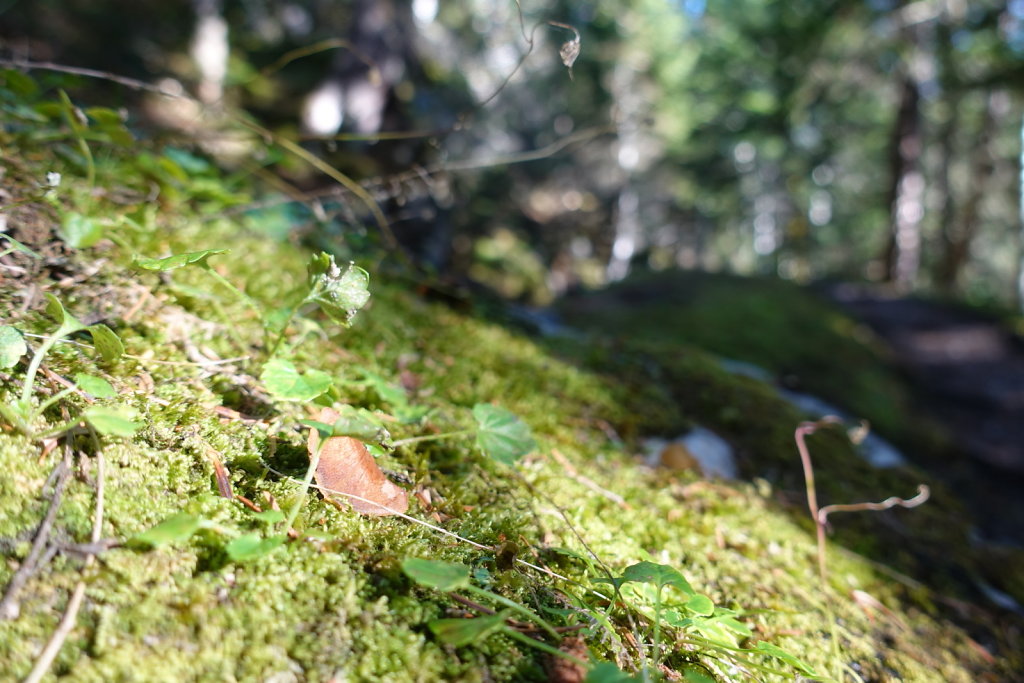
968	370
157	520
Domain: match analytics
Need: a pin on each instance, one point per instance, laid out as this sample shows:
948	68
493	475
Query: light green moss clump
336	605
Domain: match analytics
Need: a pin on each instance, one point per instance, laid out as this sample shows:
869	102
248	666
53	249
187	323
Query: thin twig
587	481
9	606
67	622
91	73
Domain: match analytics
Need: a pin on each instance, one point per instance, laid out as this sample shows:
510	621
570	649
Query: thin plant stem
37	360
431	437
310	471
516	607
657	627
245	298
542	646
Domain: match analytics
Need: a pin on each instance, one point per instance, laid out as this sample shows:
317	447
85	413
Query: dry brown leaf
346	467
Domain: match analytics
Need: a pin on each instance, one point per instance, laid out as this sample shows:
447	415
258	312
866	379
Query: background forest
806	139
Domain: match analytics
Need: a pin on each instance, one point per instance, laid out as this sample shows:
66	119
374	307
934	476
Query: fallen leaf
347	469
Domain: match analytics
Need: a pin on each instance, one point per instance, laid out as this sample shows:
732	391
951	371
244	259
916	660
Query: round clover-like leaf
501	435
174	529
80	231
700	604
106	341
251	546
283	380
68	323
111	421
658	574
12	346
459	632
97	386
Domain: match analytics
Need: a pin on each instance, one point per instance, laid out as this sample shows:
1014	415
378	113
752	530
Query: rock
699	449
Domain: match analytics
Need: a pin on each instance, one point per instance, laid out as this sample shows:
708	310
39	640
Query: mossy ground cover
333	602
807	344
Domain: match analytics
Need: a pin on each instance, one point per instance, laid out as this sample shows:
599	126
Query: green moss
777	325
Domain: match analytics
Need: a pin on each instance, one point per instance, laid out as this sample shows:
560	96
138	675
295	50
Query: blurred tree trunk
1020	218
906	194
959	232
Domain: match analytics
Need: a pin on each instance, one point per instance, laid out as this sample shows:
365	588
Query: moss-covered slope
332	602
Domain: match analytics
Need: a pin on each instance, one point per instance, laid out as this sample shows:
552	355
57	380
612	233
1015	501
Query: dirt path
969	373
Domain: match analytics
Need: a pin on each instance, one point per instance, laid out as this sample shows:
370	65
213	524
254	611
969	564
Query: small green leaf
658	574
395	396
778	652
269	516
351	291
106	341
71	114
103	115
352	422
343	294
68	323
97	386
459	632
111	421
19	83
444	576
326	431
606	672
12	346
736	626
696	673
176	261
501	435
700	604
250	546
283	381
174	529
80	231
18	246
318	265
188	161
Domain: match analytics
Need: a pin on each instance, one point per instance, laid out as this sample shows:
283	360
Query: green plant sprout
717	628
338	294
240	547
450	577
21	413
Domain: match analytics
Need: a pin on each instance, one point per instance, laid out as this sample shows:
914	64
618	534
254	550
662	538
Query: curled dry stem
820	515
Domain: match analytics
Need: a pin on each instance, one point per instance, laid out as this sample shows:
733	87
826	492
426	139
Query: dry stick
424	172
67	622
9	607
